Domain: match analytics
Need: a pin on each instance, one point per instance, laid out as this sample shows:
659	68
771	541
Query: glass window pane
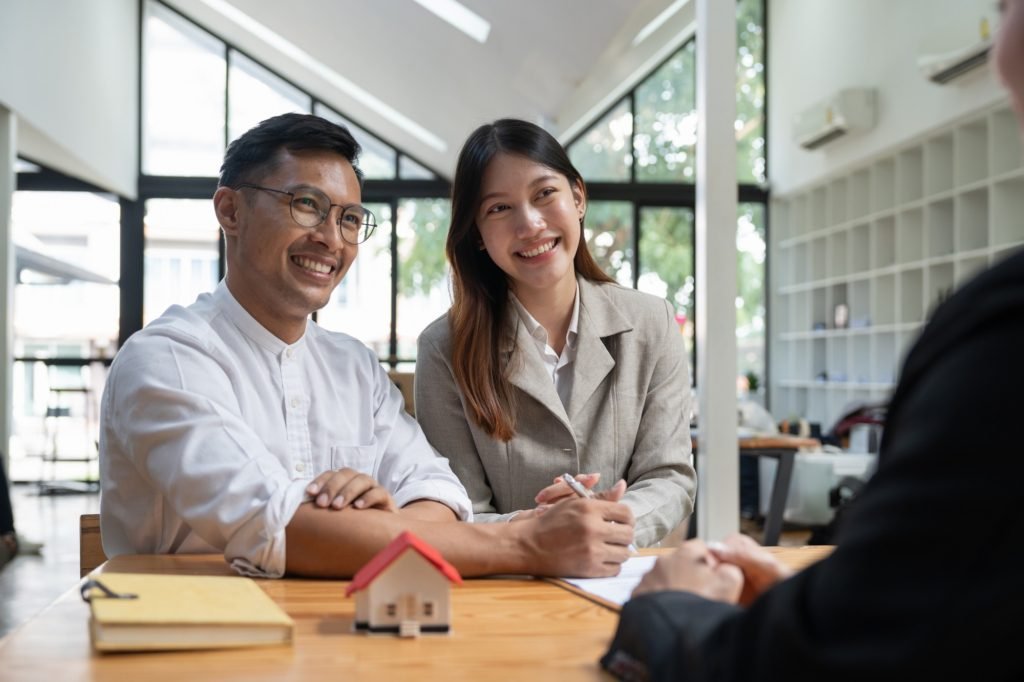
750	298
184	76
181	259
66	305
608	230
67	260
750	92
378	158
666	121
255	94
666	261
361	305
410	170
423	273
603	152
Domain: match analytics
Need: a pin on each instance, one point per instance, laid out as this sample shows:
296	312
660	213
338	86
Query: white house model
404	589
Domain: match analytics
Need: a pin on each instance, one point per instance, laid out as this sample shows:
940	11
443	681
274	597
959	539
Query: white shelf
890	239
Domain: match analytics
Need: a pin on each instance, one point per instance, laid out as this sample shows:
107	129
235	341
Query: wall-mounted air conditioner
942	68
847	111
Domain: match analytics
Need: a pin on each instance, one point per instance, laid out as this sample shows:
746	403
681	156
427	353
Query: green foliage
666	121
753	381
666	244
664	124
604	152
609	235
750	91
423	229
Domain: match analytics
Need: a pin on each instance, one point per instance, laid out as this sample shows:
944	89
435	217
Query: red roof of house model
386	556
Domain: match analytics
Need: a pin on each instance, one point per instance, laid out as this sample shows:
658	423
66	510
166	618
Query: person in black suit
926	579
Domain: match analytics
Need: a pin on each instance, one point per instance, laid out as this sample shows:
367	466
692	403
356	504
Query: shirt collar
538	332
247	324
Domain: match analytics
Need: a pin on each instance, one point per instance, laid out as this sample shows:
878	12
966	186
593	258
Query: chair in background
90	544
71	417
404	382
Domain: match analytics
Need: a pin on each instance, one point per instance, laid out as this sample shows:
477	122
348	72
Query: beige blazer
628	415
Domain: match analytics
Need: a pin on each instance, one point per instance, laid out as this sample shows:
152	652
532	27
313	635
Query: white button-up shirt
212	427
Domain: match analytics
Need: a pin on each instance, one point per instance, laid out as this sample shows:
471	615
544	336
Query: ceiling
558	63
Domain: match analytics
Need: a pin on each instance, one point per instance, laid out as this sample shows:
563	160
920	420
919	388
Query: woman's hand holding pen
559	490
579	537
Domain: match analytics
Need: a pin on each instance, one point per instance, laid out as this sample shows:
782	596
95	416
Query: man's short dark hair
255	153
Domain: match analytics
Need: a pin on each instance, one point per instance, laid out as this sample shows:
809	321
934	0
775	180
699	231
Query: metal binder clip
107	592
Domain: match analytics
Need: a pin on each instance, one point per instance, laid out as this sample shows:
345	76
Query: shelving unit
889	239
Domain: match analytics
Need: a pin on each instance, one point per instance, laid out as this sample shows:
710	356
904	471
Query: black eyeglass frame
367	226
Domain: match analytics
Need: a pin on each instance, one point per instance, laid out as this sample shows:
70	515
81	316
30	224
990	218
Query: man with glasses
237	425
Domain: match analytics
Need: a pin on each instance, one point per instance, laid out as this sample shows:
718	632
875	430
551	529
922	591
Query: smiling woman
544	365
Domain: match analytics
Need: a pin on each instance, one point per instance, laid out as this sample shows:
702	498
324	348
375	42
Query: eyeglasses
310	208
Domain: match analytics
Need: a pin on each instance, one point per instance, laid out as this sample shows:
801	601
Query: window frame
655	194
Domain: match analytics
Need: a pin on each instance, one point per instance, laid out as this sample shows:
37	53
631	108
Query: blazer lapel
528	373
599	319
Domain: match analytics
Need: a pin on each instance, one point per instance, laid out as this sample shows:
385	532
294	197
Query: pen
586	493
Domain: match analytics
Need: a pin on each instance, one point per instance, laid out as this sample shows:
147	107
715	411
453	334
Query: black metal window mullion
636	244
632	136
132	277
393	332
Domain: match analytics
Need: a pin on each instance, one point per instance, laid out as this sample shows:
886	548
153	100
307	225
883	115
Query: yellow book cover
184	612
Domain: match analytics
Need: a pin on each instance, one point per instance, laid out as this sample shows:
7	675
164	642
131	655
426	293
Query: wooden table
503	629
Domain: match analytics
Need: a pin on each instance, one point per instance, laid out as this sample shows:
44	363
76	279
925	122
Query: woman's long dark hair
480	288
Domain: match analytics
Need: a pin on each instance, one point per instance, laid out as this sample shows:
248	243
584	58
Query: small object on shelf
841	316
860	322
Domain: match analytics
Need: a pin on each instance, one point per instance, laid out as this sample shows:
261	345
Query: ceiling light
658	21
459	16
336	80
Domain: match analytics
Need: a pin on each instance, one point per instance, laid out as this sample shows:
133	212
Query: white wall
817	47
69	71
8	131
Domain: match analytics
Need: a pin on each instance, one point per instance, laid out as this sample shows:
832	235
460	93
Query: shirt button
300	467
296	402
288	353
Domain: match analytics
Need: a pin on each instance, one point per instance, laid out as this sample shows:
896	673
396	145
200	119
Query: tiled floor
28	584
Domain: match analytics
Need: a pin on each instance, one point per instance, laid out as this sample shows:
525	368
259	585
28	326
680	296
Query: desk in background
784	449
503	629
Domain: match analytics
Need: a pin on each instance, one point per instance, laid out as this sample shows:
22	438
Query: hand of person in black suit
694	568
760	568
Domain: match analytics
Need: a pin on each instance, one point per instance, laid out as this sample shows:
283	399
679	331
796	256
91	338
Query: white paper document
617	589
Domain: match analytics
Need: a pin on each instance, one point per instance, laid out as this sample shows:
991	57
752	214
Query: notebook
183	612
610	592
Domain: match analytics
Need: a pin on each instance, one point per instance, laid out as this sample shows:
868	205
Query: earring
481	246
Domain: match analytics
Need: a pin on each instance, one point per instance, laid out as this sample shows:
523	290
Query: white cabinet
888	240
